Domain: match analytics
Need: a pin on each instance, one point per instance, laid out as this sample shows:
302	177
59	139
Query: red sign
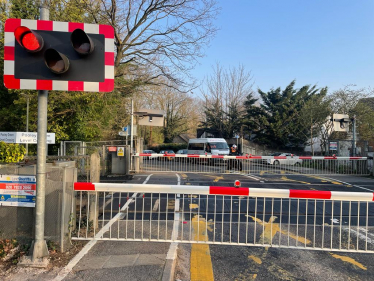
112	148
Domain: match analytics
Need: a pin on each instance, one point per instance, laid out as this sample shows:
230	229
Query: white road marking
172	252
359	234
347	183
253	177
69	267
155	206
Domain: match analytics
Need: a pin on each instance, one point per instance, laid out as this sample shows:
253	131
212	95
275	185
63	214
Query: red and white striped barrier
223	190
250	156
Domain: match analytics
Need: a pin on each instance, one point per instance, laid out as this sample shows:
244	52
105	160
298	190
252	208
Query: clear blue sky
324	42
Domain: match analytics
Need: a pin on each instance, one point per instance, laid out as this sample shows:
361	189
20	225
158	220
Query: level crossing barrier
250	164
284	218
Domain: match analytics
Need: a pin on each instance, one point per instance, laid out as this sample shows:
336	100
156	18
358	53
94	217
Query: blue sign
17	198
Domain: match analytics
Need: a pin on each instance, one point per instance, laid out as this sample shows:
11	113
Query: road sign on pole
52	55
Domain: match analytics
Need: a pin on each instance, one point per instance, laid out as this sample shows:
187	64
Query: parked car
290	160
166	157
181	151
150	157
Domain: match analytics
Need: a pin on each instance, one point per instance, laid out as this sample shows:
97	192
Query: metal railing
287	165
303	219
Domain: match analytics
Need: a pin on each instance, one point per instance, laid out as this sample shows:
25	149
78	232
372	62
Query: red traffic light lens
30	42
28	39
81	42
58	63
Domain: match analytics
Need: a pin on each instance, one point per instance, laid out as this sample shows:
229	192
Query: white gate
303	219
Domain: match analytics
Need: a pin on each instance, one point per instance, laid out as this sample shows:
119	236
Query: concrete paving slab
91	263
150	260
104	248
131	273
121	261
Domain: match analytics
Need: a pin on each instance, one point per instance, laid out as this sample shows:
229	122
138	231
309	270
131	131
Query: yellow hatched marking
271	229
349	260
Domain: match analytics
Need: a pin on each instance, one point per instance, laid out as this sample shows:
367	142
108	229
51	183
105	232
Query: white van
211	146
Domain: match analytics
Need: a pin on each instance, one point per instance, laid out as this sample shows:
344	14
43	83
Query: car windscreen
276	154
218	145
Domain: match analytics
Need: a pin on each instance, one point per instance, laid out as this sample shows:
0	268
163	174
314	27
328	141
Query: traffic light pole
39	247
354	137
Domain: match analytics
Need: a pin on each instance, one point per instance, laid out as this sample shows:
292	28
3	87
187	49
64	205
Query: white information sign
25	137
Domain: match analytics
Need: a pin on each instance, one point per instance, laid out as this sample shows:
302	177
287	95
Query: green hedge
11	153
167	146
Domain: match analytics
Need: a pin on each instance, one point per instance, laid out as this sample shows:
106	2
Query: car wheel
276	162
298	164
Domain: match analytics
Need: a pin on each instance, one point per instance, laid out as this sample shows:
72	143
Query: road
256	221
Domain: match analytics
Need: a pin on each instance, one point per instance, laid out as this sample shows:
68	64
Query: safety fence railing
249	164
303	219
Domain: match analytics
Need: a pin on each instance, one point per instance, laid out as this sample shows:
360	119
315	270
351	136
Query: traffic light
341	122
50	55
28	39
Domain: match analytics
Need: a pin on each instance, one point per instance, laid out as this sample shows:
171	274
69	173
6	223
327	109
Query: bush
11	153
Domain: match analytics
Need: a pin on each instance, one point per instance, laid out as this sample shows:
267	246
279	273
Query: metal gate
303	219
255	165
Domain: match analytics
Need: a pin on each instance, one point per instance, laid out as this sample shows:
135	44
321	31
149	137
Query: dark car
166	157
181	151
150	152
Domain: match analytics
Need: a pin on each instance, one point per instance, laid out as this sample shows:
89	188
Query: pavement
134	260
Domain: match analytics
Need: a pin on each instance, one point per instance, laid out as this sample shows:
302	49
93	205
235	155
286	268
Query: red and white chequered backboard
11	82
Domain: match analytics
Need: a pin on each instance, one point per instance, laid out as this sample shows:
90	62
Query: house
183	138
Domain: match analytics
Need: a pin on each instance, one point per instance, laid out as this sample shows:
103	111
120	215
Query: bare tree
345	100
156	38
224	93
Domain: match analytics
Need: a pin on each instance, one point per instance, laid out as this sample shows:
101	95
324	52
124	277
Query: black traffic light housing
80	60
66	56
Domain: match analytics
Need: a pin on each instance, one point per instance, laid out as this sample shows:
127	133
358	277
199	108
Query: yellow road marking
217	179
349	260
188	183
194	206
256	259
201	262
287	179
262	173
184	175
171	204
271	229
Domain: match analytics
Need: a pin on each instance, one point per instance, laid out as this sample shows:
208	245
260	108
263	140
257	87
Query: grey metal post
131	131
27	123
62	225
39	248
354	137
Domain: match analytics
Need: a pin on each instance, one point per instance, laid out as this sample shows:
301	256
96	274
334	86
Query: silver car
289	160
